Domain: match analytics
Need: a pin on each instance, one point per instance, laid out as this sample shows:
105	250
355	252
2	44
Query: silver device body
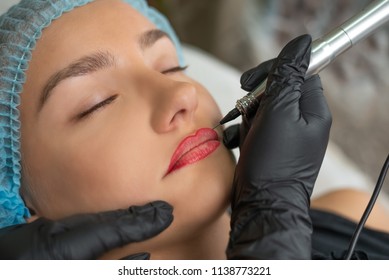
331	45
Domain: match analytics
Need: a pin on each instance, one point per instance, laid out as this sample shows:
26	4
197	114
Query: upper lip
201	136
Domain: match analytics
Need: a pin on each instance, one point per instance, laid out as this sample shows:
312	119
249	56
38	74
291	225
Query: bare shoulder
351	203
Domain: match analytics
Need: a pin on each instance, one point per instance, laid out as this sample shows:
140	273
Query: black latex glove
85	236
280	158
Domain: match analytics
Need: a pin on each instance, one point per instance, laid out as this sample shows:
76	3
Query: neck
209	244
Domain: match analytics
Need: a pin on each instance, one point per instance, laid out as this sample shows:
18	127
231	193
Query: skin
350	204
118	155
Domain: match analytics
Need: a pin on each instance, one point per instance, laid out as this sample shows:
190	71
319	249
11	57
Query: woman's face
103	111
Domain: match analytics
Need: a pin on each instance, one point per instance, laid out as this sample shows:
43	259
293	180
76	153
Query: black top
332	234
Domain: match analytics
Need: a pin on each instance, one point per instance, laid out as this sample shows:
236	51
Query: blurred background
247	32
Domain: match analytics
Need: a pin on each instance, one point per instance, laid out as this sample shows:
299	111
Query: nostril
179	114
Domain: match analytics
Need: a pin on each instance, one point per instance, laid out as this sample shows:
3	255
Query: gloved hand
282	148
85	236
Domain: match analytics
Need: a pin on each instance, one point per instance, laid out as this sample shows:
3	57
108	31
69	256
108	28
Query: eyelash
96	107
112	98
175	69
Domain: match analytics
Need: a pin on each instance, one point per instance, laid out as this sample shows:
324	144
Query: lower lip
196	154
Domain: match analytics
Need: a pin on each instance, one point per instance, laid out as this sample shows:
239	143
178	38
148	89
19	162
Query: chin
206	187
200	195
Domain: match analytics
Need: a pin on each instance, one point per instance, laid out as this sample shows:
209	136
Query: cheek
207	104
120	170
111	170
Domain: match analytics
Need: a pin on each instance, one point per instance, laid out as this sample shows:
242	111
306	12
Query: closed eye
112	98
96	107
175	69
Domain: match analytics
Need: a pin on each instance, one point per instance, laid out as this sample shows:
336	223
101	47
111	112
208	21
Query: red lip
194	148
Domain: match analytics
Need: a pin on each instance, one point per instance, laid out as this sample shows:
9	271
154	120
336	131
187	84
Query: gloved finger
253	77
231	136
139	256
313	105
288	72
234	136
86	236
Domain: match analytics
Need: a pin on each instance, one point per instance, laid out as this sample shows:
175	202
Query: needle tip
216	126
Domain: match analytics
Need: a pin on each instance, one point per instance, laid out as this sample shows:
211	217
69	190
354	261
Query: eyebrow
91	63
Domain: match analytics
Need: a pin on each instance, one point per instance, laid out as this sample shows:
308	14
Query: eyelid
95	108
112	98
175	69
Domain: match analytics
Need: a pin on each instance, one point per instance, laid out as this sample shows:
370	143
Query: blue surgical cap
20	28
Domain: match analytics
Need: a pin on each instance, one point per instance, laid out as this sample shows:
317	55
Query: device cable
368	209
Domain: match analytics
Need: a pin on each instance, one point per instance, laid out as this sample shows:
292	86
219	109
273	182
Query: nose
175	105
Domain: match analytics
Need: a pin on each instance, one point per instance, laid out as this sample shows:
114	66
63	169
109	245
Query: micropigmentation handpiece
324	50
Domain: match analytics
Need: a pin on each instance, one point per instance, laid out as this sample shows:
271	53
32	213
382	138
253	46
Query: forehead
99	25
